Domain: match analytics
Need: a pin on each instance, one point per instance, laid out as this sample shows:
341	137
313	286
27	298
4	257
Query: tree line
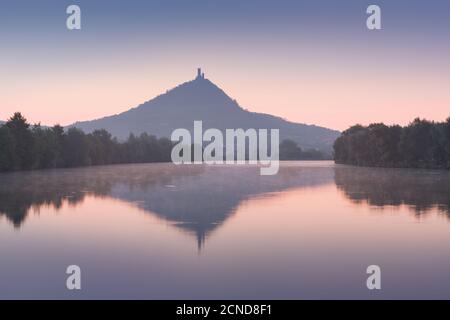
28	147
289	150
421	144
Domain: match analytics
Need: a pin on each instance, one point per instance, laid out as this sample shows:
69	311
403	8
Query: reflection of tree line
16	206
198	199
422	190
194	198
20	192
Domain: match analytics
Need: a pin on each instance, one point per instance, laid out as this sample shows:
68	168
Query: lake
160	231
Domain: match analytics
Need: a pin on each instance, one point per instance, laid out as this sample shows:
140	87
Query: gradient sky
307	61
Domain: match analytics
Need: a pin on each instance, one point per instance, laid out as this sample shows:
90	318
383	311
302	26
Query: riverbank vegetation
421	144
29	147
26	147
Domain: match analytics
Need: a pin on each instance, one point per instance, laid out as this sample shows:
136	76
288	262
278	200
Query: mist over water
160	231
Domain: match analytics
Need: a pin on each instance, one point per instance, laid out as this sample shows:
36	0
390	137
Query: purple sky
307	61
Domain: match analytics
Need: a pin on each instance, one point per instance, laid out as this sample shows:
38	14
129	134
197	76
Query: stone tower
200	75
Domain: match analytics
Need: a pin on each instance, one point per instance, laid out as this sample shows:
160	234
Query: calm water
184	232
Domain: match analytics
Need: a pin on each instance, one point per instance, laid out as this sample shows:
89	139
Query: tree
446	143
416	144
7	149
45	148
58	134
289	150
102	148
19	128
75	148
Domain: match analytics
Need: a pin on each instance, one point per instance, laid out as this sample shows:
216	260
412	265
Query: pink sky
311	96
327	85
301	60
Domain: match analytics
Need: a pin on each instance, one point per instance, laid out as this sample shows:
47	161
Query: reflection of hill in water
422	190
198	199
195	198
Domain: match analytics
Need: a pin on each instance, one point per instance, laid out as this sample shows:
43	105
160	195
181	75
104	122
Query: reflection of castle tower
201	238
200	75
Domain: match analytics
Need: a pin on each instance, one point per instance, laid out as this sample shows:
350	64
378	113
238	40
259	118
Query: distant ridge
200	99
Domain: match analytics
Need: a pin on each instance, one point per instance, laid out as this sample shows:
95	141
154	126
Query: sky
309	61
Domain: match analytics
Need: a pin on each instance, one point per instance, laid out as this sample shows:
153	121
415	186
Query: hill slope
200	99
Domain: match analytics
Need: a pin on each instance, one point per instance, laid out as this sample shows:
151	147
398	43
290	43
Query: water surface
160	231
